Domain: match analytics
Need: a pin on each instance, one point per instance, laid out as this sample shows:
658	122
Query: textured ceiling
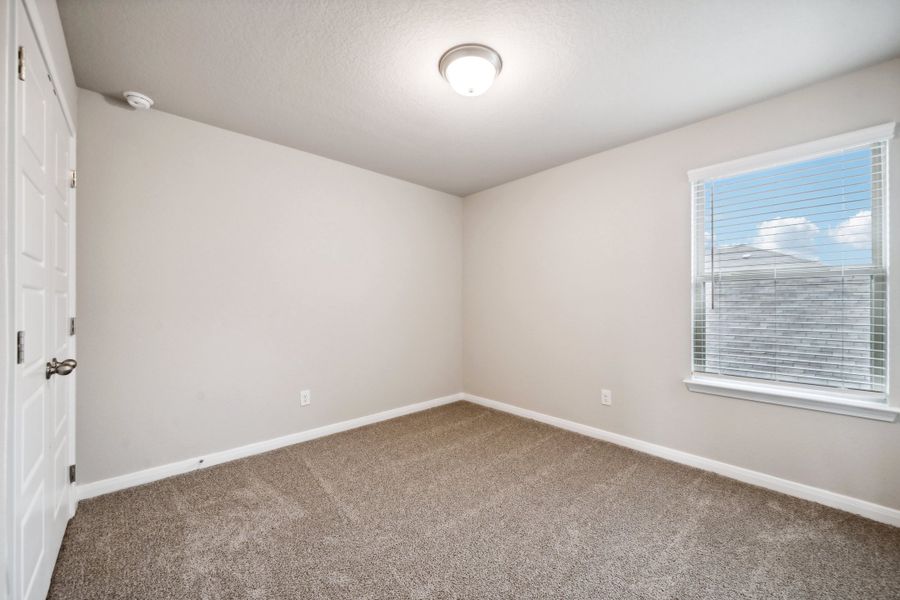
358	81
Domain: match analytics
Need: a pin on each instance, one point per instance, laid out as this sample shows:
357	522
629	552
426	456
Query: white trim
781	156
854	404
106	486
864	405
7	372
870	510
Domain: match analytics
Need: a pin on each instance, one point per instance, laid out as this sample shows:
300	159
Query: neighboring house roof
744	257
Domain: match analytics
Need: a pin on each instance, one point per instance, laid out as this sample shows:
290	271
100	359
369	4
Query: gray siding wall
812	330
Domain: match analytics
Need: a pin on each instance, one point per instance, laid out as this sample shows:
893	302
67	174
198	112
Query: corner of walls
578	279
305	272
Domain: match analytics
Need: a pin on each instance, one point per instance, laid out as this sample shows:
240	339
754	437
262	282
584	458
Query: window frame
871	405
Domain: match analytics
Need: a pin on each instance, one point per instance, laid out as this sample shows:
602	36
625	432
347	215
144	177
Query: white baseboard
870	510
106	486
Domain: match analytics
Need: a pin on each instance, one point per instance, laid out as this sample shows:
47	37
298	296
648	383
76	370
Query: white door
43	306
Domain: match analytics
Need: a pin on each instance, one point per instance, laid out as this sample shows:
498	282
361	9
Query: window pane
791	287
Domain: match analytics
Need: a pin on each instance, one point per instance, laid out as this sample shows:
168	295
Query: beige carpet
464	502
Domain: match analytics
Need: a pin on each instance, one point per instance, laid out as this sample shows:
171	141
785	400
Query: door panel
34	548
60	481
61	156
33	446
61	238
33	309
42	435
34	105
32	222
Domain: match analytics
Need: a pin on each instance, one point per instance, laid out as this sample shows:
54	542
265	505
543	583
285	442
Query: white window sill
867	405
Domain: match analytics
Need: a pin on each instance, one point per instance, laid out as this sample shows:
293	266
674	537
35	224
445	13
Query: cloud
791	235
856	231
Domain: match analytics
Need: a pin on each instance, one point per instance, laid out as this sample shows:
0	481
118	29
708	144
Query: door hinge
21	63
73	183
71	473
72	326
20	347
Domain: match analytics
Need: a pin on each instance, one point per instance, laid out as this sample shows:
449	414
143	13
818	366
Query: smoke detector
138	100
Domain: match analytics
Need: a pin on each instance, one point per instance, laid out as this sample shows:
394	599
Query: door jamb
72	192
7	21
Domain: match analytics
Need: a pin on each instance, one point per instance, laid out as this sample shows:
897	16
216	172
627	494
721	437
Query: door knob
60	368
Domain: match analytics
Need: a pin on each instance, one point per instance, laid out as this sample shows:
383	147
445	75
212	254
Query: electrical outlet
605	397
305	397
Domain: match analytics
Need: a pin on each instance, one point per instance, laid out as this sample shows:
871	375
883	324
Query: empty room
407	299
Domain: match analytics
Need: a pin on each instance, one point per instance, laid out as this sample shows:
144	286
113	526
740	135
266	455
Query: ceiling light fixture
138	100
470	69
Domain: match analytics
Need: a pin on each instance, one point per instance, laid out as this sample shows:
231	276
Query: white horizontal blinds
790	280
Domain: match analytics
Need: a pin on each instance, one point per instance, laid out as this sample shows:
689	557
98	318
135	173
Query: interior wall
579	278
220	275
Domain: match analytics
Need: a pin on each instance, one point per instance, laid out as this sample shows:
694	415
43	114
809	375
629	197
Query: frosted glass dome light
470	69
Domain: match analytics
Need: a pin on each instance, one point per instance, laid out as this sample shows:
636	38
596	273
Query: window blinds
789	274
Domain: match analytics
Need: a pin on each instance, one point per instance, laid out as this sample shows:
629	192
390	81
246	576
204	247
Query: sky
819	209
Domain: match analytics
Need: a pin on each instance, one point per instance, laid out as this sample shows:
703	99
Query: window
790	273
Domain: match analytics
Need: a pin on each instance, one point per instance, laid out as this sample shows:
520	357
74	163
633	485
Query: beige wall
219	275
578	278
